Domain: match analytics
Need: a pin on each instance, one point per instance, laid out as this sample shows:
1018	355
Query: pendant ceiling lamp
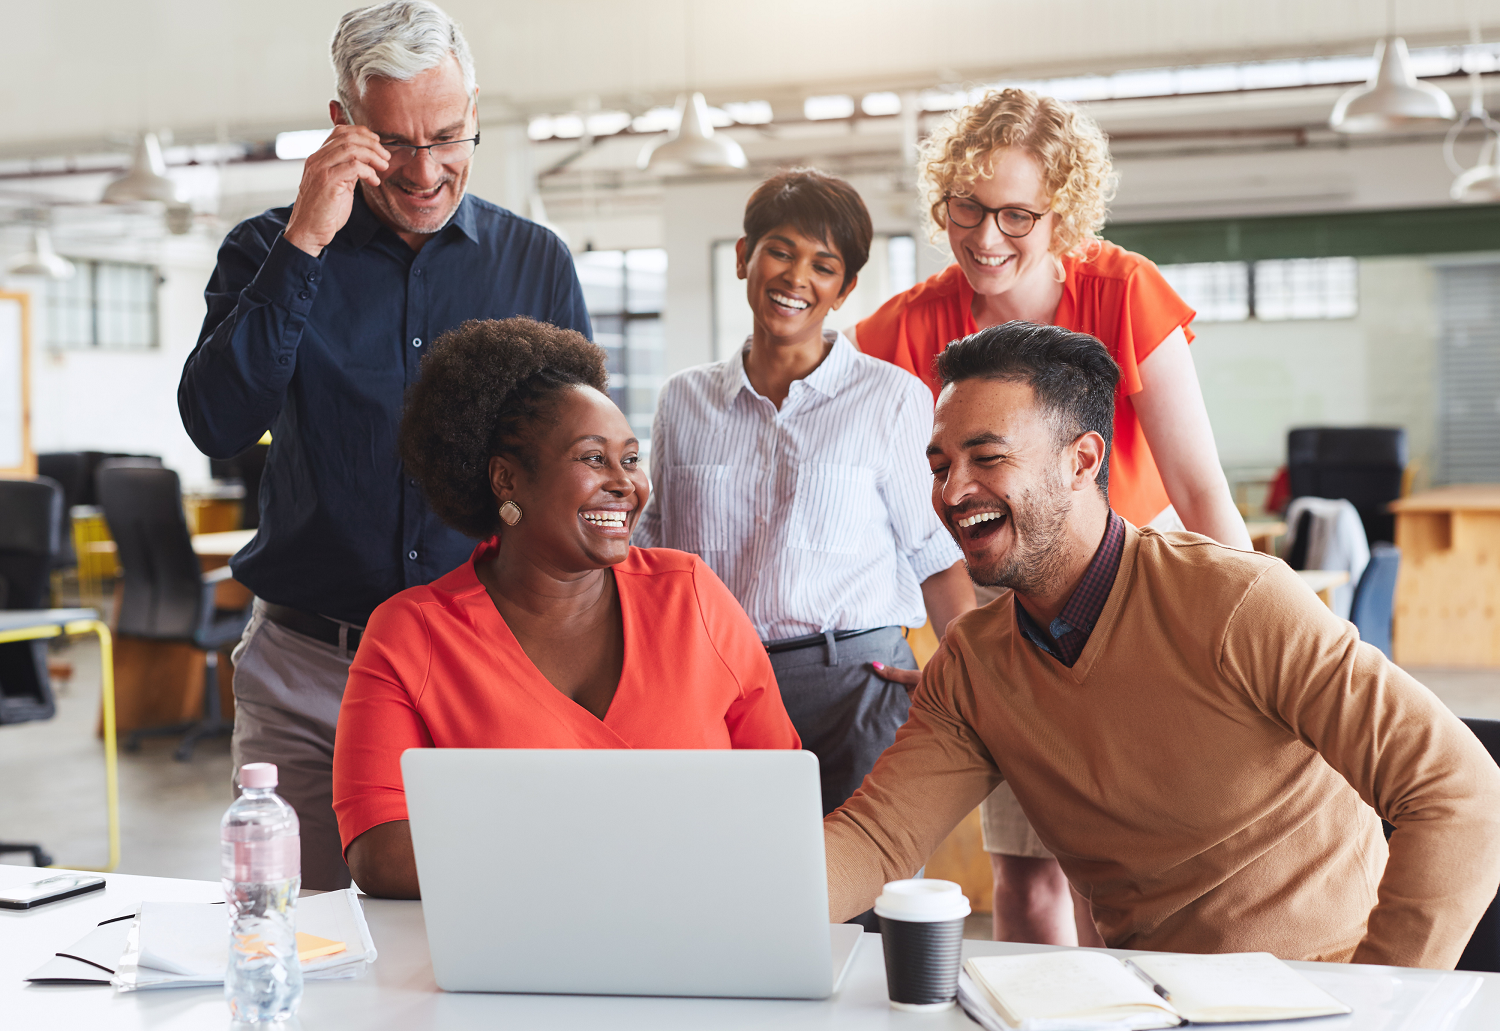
1394	99
41	260
1481	184
147	178
692	146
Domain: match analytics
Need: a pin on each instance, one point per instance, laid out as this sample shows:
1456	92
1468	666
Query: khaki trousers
287	690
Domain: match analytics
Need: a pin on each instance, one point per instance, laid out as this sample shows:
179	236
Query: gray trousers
843	712
287	690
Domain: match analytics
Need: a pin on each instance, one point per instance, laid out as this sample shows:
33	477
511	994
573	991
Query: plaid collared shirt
1070	630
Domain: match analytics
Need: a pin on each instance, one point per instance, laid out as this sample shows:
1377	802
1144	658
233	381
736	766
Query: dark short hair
1072	374
817	205
484	388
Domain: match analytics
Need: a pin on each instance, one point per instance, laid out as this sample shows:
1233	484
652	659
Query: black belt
310	624
791	644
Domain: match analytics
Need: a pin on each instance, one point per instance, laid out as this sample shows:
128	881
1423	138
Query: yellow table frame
43	629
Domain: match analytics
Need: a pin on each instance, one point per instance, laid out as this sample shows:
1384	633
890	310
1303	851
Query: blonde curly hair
1072	151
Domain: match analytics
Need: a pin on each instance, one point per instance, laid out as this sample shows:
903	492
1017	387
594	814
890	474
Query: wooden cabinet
1448	593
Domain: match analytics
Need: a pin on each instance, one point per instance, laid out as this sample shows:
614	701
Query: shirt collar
1087	601
363	223
830	375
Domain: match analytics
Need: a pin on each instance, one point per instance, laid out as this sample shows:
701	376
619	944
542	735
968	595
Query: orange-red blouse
1113	294
438	668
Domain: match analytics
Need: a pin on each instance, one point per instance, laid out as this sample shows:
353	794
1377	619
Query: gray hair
398	39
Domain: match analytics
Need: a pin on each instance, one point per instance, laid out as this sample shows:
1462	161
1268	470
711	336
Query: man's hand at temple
326	194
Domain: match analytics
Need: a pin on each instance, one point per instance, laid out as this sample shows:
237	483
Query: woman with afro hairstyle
556	633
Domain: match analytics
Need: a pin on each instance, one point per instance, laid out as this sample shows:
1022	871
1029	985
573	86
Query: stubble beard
429	225
1037	558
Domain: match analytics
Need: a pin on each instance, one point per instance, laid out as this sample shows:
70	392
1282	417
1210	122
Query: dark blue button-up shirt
320	352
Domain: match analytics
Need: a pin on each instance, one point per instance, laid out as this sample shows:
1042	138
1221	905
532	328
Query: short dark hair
1072	374
818	205
484	387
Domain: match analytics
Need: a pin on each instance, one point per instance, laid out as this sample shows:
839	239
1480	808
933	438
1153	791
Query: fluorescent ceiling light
876	104
749	112
819	109
300	144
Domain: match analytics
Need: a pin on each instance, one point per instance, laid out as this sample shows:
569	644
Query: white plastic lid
922	900
258	775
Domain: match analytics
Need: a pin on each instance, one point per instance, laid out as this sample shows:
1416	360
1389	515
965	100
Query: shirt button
416	342
412	482
304	295
312	277
412	555
283	360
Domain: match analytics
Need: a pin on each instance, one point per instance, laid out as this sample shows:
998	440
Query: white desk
398	992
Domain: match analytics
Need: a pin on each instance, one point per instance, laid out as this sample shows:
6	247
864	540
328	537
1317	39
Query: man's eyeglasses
450	153
966	213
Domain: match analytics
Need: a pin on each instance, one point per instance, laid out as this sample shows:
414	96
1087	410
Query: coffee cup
922	930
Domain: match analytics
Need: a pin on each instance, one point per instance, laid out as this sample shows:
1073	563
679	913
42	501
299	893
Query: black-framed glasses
449	153
1014	222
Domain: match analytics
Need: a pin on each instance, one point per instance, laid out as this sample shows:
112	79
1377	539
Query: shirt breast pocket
698	508
834	508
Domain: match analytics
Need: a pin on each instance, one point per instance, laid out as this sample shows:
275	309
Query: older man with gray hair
318	316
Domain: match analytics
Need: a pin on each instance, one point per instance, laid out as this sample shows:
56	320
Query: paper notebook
1052	991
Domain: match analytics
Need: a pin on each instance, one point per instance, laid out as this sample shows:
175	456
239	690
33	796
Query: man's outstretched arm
923	785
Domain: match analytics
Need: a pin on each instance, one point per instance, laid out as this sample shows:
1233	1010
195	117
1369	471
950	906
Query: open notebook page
1237	986
1068	989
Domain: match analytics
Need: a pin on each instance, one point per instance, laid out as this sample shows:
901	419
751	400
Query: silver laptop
625	872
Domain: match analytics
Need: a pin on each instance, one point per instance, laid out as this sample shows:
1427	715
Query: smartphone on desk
48	889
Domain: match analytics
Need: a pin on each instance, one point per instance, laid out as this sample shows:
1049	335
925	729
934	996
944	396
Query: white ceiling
79	73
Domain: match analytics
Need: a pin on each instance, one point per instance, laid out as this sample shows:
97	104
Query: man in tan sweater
1192	733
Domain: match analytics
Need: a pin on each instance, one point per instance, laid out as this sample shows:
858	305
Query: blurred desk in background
1448	591
1263	533
1323	581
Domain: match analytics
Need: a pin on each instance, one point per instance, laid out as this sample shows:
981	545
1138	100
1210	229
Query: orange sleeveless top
1115	295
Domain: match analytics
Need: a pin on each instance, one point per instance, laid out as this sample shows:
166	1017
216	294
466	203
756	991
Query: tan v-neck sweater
1204	773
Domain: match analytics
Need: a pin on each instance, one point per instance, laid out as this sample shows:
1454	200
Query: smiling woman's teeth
992	262
608	520
980	518
788	302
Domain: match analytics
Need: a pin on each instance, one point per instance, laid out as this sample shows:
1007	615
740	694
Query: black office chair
1375	597
165	595
1363	464
70	470
28	545
1483	950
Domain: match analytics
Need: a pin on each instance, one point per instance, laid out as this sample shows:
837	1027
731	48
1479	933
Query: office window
1219	291
106	304
625	292
891	269
1306	288
1275	290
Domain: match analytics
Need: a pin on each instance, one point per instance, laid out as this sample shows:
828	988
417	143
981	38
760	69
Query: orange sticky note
310	946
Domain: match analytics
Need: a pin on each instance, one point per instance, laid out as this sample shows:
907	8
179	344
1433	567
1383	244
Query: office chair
1483	950
70	470
1363	464
29	528
165	594
1375	597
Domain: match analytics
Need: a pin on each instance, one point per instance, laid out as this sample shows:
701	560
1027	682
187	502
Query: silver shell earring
510	513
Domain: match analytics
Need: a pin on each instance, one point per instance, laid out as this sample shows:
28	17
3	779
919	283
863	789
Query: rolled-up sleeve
906	487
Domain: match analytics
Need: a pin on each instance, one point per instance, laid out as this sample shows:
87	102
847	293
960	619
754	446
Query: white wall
1261	379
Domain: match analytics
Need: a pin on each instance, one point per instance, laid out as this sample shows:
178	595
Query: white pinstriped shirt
818	516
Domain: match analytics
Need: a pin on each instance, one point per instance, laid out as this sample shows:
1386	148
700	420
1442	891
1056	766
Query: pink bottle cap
258	775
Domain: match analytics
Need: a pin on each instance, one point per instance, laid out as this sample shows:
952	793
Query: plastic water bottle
262	874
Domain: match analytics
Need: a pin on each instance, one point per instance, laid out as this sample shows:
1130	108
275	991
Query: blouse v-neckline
535	681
